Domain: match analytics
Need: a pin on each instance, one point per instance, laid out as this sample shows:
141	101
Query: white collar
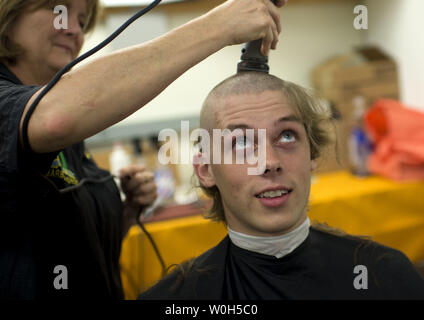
278	246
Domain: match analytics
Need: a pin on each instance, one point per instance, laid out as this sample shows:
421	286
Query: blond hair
11	10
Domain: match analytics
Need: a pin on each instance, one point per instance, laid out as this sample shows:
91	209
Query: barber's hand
139	187
248	20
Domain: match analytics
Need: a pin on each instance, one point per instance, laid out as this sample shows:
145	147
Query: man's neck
278	246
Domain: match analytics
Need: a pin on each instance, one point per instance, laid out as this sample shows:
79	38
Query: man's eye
288	136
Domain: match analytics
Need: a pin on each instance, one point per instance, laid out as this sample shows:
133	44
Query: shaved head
305	104
242	83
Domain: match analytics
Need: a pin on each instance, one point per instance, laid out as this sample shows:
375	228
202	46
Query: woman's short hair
309	108
11	10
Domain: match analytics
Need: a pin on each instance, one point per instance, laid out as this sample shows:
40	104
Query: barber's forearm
95	96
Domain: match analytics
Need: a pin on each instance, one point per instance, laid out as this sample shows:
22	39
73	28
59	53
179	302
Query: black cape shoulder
392	274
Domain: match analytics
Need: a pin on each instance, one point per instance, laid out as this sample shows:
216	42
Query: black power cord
155	247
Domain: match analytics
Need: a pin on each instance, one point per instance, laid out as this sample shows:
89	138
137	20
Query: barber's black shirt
53	245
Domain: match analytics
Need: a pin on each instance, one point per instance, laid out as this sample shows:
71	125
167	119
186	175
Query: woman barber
49	222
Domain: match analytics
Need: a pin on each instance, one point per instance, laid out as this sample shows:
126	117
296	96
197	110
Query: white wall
398	26
312	31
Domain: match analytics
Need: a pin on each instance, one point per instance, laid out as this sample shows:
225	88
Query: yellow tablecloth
391	213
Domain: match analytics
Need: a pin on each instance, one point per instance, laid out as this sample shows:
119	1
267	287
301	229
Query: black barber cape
322	267
43	232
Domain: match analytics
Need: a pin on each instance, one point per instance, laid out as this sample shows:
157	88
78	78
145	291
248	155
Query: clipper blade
252	58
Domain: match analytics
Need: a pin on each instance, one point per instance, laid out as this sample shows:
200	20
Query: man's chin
277	227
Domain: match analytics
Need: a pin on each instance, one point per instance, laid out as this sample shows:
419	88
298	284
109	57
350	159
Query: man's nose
273	164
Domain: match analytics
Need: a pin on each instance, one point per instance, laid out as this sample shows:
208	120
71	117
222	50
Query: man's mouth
273	193
275	197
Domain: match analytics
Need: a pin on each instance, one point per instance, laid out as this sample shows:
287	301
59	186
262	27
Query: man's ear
203	171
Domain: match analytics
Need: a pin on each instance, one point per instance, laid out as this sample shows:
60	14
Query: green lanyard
63	160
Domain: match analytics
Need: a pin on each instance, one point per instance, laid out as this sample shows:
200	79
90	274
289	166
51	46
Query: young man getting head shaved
271	251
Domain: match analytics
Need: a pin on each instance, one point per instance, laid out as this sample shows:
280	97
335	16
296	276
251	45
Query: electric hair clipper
252	58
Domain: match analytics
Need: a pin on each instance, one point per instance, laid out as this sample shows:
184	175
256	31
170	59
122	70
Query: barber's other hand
247	20
139	187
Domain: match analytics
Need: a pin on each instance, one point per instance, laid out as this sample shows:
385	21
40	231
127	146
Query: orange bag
398	136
